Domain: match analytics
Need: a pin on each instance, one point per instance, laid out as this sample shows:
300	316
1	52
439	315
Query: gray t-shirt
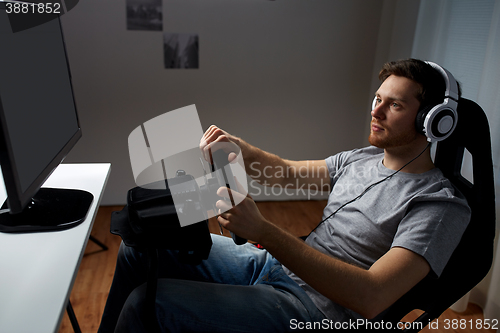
423	213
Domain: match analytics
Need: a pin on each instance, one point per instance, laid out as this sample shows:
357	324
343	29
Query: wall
395	38
292	77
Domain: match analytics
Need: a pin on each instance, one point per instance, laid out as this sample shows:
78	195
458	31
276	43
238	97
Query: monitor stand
51	209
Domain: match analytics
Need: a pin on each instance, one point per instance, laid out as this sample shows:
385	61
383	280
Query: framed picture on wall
144	15
181	50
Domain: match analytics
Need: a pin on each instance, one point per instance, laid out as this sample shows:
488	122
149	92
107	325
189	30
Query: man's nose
378	111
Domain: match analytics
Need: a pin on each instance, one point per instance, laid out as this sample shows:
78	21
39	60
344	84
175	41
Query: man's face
393	119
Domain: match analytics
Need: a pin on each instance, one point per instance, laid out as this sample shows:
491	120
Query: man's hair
432	84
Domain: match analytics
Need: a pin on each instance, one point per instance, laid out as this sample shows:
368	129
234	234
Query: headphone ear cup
420	119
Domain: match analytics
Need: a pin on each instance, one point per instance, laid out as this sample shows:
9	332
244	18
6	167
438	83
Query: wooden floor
96	270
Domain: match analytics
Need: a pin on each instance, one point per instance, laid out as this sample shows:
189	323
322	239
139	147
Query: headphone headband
451	83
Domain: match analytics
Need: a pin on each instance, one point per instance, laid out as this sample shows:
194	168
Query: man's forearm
367	292
267	168
270	169
345	284
263	166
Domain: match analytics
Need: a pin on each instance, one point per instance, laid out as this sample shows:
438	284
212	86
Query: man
391	219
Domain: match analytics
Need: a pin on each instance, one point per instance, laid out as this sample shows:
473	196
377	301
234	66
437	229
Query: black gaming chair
472	259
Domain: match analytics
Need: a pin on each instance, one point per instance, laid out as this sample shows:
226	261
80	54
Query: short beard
398	141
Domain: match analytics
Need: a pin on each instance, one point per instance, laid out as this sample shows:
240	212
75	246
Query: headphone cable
370	187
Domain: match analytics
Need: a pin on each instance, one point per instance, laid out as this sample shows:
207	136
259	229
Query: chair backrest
472	258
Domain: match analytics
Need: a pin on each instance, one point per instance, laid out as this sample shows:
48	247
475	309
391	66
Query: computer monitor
38	127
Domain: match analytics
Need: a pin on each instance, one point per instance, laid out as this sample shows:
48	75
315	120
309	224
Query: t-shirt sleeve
433	227
338	161
335	162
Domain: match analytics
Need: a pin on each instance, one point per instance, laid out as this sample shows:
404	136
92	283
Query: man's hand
244	219
214	139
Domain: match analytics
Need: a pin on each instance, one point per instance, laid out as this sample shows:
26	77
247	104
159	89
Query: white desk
37	271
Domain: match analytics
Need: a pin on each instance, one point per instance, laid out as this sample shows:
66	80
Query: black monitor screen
37	108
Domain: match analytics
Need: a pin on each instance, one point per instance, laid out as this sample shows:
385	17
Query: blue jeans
237	289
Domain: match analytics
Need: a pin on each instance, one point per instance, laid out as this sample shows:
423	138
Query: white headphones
438	122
